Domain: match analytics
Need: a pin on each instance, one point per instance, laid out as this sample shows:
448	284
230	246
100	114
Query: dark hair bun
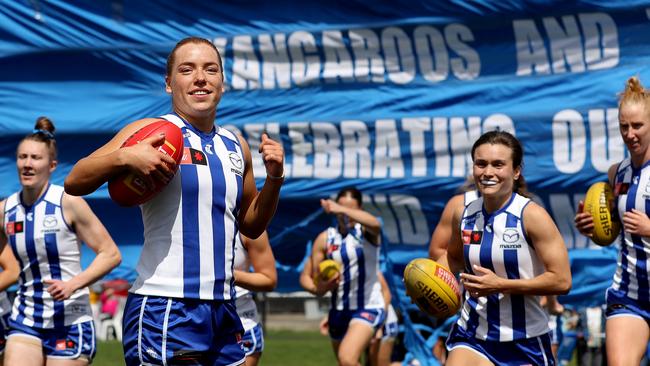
45	124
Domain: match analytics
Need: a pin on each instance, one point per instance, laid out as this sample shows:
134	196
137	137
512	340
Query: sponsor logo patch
368	316
332	248
472	237
193	157
621	188
49	221
60	345
510	235
14	227
237	163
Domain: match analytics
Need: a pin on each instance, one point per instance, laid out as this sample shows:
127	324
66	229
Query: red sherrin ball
128	189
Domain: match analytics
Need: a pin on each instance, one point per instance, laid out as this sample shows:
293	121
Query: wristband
269	176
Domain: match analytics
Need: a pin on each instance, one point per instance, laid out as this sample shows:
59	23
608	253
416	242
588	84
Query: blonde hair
634	93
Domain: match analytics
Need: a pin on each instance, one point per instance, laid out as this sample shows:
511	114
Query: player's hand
324	327
583	221
148	162
331	207
322	287
272	155
484	283
60	290
636	222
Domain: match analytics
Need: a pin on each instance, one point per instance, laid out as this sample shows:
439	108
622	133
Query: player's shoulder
456	202
532	212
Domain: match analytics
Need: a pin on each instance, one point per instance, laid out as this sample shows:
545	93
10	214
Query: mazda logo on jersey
14	227
236	160
510	235
49	221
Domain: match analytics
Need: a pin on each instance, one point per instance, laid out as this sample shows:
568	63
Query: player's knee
348	360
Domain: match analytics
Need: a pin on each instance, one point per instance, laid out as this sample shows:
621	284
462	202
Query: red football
128	189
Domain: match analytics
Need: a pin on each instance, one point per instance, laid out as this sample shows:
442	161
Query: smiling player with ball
510	253
185	270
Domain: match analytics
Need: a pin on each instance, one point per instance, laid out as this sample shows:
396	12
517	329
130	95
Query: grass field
282	348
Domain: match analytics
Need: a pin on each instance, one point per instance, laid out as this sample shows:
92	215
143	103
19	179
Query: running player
185	269
357	303
51	321
628	298
511	253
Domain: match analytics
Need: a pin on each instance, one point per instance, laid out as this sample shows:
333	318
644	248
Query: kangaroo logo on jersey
14	227
236	162
472	237
193	157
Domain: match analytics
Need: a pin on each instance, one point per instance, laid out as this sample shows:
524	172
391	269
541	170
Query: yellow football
599	202
432	287
328	269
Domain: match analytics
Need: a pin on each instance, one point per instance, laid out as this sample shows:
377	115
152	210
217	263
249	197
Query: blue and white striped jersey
632	191
46	248
498	242
359	287
190	227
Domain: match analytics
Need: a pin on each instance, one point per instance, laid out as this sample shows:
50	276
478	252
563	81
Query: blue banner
381	95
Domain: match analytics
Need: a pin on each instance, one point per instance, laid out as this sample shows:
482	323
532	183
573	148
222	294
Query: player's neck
201	123
29	195
640	160
495	202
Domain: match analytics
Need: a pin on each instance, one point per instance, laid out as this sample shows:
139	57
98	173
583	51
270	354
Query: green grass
282	348
109	353
297	348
